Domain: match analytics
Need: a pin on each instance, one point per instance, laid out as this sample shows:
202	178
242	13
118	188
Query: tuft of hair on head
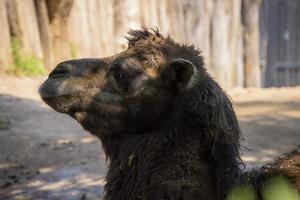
149	34
152	36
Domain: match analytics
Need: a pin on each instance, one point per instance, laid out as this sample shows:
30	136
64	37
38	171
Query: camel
167	128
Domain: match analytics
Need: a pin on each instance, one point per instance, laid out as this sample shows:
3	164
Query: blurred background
245	43
251	47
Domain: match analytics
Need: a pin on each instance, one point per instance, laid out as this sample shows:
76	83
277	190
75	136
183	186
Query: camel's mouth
72	95
57	94
49	89
57	104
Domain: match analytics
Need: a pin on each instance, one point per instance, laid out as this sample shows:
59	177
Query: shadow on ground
269	128
46	155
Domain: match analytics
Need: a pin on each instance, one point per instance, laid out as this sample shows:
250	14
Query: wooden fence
54	30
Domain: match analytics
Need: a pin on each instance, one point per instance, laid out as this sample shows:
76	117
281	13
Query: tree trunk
154	14
126	16
5	47
24	26
198	29
236	46
45	32
106	25
176	19
221	64
250	19
80	38
59	11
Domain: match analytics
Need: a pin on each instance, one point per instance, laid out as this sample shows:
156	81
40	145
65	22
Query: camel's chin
58	105
54	95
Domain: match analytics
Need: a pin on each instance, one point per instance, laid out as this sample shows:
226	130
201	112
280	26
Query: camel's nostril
61	71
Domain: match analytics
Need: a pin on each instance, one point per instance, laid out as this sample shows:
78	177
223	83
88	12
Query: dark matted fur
184	146
201	131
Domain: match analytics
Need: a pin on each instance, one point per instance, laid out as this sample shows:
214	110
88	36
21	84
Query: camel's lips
49	89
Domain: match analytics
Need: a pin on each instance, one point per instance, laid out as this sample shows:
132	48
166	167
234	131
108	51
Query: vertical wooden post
45	32
24	26
59	11
5	47
250	19
221	63
126	16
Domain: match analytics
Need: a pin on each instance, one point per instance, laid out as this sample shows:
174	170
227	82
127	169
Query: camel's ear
179	75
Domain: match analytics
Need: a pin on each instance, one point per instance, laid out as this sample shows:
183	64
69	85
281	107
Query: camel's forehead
152	40
142	49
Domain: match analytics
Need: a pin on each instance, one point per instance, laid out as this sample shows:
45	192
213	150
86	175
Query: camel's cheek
108	97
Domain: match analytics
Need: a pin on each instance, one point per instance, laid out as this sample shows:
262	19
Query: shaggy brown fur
168	130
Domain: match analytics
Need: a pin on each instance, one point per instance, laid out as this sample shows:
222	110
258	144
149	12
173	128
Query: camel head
132	91
155	90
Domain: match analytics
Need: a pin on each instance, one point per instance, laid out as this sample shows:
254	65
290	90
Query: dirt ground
47	155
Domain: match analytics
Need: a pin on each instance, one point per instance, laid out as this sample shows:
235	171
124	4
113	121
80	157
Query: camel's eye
124	78
122	75
125	75
118	75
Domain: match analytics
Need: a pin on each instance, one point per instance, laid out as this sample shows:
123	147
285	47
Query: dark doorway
280	43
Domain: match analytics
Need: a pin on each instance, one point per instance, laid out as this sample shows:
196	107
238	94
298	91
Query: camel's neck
131	161
142	162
